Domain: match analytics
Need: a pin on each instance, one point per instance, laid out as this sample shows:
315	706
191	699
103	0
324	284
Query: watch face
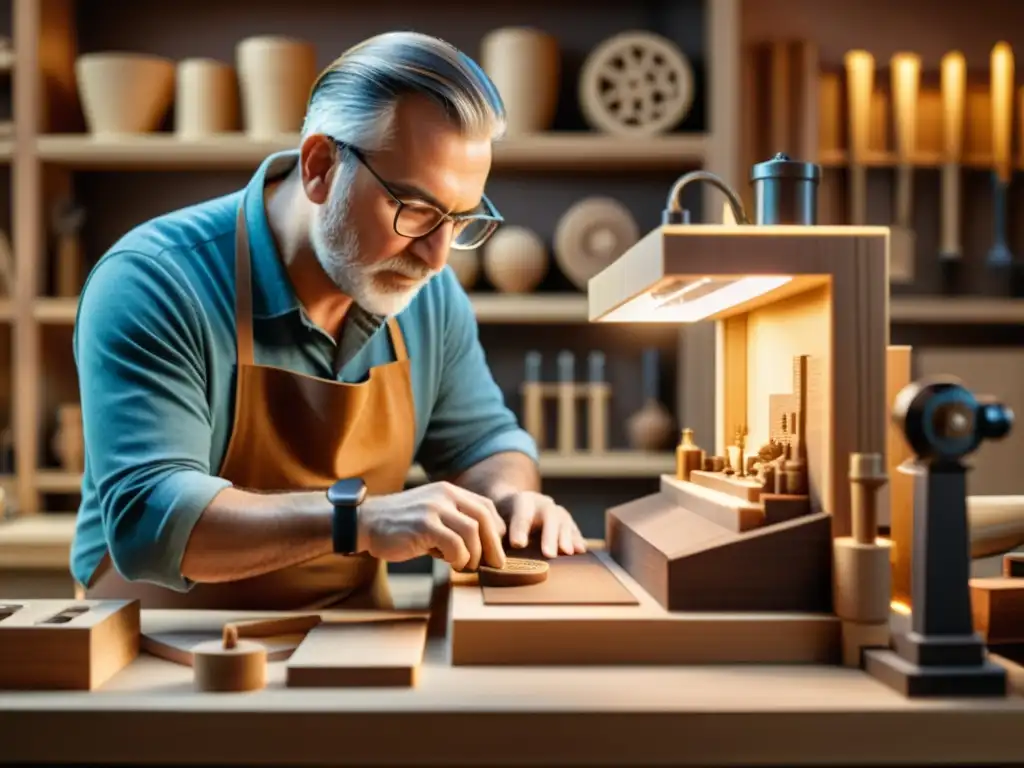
348	491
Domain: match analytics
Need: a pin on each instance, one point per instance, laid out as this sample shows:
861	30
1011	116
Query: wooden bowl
124	93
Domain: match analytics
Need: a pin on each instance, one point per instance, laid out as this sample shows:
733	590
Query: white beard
337	249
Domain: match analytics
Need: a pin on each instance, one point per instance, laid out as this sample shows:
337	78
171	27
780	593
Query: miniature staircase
700	548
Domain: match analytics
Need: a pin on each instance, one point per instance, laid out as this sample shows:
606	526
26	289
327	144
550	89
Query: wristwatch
345	496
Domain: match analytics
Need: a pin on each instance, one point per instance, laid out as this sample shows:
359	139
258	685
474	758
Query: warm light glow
954	87
899	607
693	301
1002	104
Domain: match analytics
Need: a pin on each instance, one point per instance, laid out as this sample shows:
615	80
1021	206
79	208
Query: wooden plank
381	654
645	633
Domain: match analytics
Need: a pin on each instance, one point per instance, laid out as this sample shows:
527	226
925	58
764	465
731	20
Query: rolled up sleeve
140	347
470	421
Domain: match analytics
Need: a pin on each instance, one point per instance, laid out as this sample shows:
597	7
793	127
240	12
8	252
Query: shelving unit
565	151
44	157
49	150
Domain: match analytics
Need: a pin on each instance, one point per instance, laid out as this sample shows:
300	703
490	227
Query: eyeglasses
418	218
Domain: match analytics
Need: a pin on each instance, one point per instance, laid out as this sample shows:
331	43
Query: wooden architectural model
733	559
801	369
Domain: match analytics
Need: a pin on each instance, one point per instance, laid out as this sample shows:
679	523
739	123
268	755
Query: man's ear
317	159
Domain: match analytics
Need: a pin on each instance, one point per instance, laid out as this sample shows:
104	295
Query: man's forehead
431	159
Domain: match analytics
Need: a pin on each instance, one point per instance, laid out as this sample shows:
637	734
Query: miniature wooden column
862	581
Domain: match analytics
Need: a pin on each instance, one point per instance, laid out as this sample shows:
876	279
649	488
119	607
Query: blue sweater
155	349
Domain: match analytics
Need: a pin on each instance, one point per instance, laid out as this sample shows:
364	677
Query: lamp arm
674	213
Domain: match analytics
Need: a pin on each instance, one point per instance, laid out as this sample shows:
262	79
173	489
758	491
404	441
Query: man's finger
443	540
579	543
488	532
521	519
466	528
565	534
551	517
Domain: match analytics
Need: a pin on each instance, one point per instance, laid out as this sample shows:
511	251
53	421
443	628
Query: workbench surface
478	716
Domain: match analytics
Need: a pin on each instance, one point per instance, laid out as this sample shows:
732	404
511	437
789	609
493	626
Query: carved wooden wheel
636	84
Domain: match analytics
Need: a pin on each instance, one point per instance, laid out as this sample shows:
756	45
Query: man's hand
463	527
528	511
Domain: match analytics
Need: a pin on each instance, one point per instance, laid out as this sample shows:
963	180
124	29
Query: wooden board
382	653
172	634
644	633
576	580
65	644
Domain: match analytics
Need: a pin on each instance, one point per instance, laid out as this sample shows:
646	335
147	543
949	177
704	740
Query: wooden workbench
512	716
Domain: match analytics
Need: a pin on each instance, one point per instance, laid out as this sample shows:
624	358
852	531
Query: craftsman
356	351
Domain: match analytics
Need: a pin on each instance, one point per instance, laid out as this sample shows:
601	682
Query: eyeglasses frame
443	216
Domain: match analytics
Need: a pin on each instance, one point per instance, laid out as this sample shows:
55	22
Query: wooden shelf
490	308
36	542
613	464
956	310
530	308
55	311
839	158
551	151
534	309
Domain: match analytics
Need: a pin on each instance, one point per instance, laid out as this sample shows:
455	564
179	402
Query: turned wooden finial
230	636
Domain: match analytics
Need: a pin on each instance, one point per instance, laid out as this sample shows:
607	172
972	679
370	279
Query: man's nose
433	249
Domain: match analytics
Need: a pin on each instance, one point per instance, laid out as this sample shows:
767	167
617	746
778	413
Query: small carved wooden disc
636	84
229	665
518	572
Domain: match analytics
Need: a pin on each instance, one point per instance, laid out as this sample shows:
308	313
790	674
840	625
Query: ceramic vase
124	93
466	266
275	75
524	64
515	260
206	100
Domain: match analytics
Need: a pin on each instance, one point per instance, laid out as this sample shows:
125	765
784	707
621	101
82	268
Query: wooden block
858	637
690	564
338	655
897	496
723	509
644	633
862	580
572	580
741	488
779	507
65	644
997	605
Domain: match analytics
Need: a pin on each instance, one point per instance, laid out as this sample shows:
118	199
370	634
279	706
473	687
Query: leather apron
294	432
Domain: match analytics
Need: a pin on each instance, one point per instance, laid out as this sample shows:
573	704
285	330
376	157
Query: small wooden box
65	644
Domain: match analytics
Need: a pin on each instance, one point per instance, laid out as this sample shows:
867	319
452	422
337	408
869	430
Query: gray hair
354	99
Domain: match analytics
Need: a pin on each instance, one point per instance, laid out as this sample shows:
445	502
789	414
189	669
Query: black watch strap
345	496
344	530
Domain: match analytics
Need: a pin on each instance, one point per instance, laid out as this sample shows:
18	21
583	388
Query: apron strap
397	339
243	290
